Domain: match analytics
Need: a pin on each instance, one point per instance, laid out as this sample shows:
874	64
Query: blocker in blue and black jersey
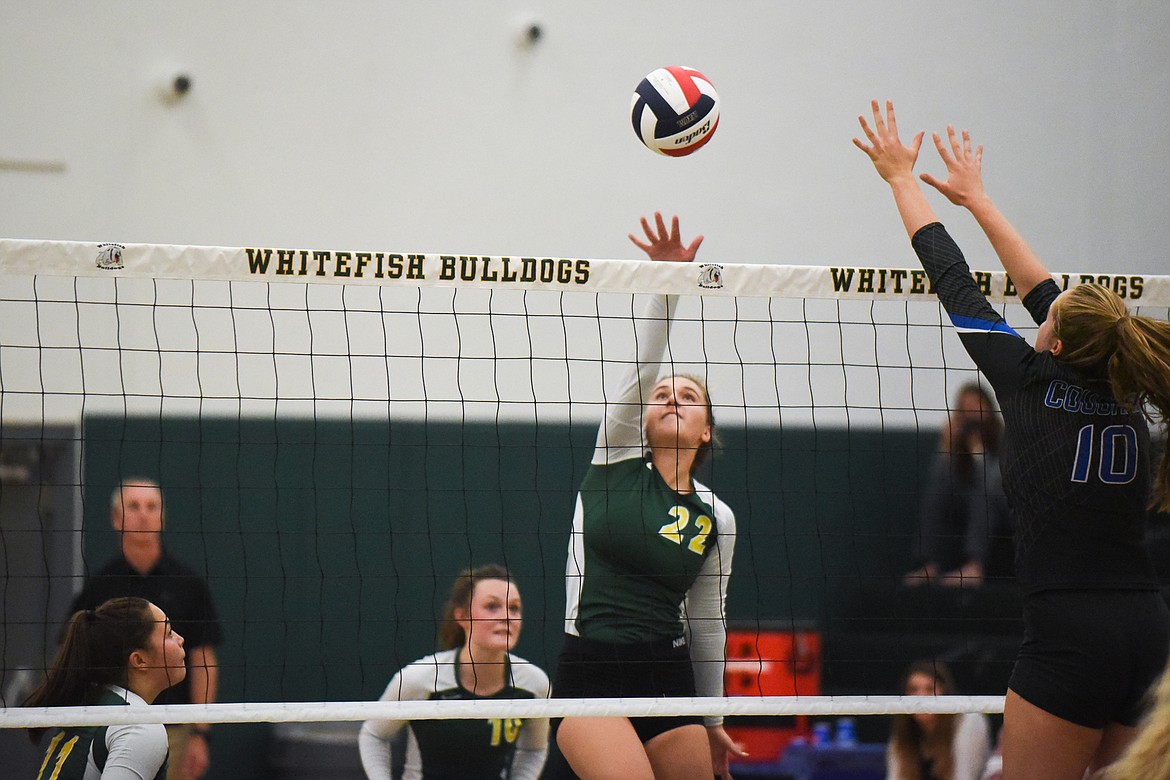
1076	472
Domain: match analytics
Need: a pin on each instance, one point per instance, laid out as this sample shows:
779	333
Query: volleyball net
339	433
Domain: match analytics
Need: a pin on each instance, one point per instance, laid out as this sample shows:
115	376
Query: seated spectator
963	507
927	746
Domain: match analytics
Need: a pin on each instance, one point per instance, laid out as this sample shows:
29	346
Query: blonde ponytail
1131	352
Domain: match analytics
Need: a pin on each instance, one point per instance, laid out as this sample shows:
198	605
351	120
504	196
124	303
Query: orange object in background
771	658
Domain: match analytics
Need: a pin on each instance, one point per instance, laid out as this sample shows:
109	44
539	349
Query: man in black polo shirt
146	570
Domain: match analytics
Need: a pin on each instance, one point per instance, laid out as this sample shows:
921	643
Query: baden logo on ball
675	110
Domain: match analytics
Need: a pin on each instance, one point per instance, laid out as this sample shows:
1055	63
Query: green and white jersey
137	752
646	562
472	749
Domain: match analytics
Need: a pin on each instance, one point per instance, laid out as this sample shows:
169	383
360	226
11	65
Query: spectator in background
145	569
963	506
928	746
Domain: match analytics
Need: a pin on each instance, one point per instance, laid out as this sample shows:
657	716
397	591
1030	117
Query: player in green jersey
122	653
480	627
648	564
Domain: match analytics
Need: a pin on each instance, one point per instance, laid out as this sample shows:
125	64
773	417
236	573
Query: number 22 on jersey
682	519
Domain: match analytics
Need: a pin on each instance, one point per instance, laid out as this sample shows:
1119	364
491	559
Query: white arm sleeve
375	750
375	737
532	745
531	750
705	608
136	752
972	746
620	437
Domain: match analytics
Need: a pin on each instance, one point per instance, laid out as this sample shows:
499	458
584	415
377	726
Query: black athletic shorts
591	669
1091	656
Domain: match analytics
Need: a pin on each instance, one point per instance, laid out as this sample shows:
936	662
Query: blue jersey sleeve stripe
969	324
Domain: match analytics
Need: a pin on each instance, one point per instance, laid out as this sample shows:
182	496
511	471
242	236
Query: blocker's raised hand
964	184
666	244
885	149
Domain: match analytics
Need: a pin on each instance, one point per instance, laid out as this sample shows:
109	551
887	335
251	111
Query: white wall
424	126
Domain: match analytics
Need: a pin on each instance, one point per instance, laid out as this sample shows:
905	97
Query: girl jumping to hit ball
649	559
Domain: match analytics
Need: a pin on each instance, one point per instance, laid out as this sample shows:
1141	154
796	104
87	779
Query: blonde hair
1131	352
1147	757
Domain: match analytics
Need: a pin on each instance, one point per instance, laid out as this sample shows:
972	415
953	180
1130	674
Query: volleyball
675	110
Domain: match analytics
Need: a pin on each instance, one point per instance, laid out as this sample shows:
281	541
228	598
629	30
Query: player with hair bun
1076	462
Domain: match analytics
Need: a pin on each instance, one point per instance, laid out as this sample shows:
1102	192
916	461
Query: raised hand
894	162
891	158
964	184
666	244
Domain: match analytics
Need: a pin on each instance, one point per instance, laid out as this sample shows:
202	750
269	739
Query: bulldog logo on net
711	275
109	257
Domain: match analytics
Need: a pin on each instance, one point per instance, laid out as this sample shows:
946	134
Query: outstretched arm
964	187
894	162
981	327
620	437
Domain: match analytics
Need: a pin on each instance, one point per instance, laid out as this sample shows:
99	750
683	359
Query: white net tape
406	269
495	708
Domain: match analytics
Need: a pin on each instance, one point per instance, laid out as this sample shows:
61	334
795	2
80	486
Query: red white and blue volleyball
675	110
